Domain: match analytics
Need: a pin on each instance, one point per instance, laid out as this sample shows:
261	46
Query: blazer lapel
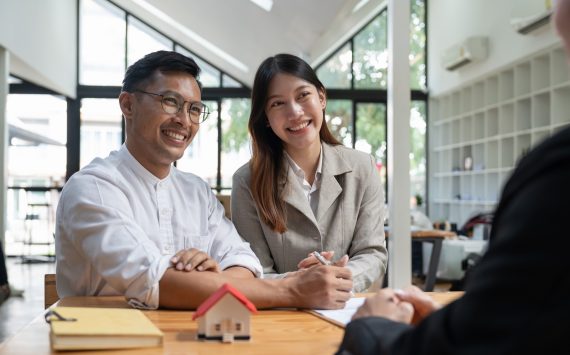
333	165
295	197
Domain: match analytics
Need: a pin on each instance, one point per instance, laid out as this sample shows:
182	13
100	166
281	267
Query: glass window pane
236	150
100	128
335	72
201	156
339	120
418	46
209	76
418	152
371	133
37	126
144	40
229	82
371	55
37	135
102	43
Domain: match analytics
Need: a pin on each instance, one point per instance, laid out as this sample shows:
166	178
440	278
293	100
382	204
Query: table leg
433	264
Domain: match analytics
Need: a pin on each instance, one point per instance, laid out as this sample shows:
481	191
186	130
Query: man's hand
194	259
386	304
423	304
311	261
322	287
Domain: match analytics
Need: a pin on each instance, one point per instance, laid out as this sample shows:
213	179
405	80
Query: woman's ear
126	104
323	99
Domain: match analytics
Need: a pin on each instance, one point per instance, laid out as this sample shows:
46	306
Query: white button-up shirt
308	189
118	225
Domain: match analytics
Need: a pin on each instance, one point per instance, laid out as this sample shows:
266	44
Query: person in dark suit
517	299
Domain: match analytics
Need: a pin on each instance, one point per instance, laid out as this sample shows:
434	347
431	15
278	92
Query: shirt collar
299	172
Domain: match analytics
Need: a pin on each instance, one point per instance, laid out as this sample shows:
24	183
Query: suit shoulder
243	173
354	157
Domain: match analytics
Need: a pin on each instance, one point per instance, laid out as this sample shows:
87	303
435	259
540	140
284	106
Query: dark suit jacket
517	298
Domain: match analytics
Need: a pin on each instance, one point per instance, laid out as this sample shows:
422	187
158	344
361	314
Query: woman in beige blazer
303	191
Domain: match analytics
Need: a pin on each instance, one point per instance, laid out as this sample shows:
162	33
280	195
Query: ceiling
237	35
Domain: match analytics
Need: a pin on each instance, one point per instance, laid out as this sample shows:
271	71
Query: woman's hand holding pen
312	260
194	259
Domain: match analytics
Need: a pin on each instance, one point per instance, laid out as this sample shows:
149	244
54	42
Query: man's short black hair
163	61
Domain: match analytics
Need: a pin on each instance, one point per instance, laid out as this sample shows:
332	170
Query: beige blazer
349	218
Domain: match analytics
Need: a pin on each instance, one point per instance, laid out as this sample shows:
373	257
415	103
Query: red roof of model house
216	296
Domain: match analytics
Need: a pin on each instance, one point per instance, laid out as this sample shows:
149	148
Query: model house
225	316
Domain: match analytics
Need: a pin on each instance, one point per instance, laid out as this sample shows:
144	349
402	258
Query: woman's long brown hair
267	165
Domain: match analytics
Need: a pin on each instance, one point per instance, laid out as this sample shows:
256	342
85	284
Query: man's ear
126	104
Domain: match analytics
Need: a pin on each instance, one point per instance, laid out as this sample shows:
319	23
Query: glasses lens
170	104
198	112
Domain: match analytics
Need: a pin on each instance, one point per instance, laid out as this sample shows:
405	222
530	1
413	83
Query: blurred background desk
436	238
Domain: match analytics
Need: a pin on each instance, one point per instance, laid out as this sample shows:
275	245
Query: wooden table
436	238
273	331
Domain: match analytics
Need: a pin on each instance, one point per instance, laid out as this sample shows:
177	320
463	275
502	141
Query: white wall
41	38
451	21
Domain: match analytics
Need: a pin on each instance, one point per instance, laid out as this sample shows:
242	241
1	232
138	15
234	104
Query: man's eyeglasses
197	111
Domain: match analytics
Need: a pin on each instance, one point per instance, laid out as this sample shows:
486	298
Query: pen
321	258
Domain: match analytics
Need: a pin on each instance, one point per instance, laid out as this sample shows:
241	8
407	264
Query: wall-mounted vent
524	25
470	50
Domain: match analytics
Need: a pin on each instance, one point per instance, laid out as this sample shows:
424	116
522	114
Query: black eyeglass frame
204	110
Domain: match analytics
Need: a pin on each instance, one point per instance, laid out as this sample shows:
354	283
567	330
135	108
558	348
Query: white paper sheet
342	316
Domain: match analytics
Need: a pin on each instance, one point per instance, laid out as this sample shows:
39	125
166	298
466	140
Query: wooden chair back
50	291
225	200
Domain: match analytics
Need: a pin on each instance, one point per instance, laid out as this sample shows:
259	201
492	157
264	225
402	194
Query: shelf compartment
539	136
522	79
479	187
561	105
467	129
456	131
506	85
523	145
466	191
491	90
559	71
479	126
492	187
507	152
456	104
478	157
492	122
541	110
478	96
466	97
523	114
540	72
492	158
507	119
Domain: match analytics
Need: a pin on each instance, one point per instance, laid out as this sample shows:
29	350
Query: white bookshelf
494	121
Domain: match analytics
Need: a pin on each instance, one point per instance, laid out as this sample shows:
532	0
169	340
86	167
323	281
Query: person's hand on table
423	304
388	305
194	259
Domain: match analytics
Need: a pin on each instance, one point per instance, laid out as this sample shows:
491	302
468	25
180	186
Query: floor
17	312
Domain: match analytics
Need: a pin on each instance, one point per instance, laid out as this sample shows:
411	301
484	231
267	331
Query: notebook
101	328
340	317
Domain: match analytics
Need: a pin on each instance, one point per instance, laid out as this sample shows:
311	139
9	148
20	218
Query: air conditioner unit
524	25
470	50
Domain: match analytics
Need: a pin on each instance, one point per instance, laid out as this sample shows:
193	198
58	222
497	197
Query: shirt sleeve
227	248
99	224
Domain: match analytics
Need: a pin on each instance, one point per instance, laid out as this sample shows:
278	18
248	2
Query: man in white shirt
132	224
